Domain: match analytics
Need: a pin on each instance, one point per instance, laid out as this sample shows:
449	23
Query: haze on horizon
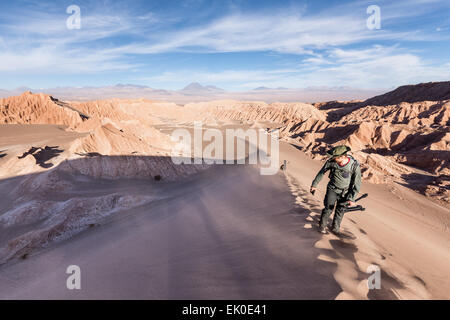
234	45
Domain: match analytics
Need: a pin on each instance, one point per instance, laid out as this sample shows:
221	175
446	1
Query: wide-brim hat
338	151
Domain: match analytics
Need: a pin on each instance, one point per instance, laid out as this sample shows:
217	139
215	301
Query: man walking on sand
344	185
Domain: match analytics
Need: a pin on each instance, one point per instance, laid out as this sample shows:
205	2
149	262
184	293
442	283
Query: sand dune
202	243
210	237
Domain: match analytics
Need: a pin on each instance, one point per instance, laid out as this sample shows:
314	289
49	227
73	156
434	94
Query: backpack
355	165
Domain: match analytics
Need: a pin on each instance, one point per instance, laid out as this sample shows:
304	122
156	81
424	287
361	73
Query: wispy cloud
283	32
333	45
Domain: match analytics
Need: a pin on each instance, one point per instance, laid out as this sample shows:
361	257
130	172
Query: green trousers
333	197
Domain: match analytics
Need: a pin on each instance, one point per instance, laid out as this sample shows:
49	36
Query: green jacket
346	178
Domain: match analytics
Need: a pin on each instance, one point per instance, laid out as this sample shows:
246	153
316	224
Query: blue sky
237	45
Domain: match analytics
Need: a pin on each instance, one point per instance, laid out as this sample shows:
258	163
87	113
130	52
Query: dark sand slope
216	239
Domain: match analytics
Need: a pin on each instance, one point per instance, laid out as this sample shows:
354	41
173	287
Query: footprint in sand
303	200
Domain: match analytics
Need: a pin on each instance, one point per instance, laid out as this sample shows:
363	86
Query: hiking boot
336	232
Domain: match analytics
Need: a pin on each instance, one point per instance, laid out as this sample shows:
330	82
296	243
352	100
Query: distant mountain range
196	87
195	92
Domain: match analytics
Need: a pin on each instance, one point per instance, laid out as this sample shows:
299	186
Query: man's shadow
42	155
